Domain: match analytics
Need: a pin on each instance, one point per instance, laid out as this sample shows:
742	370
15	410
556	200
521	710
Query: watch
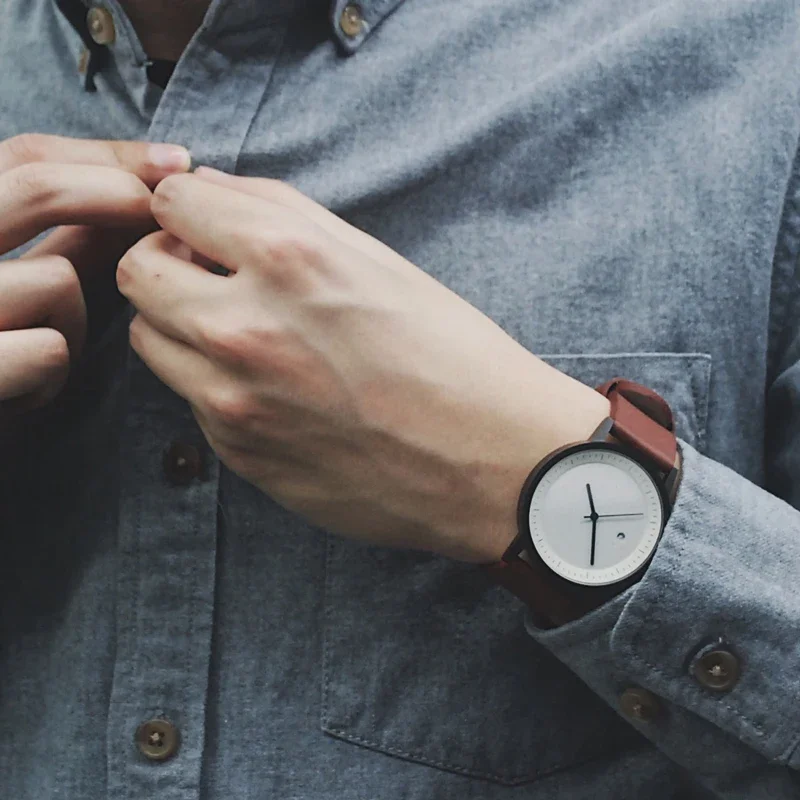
590	514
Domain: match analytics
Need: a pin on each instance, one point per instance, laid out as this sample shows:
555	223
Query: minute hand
600	516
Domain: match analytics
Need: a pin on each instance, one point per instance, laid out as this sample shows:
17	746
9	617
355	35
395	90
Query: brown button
157	739
83	61
182	463
101	25
717	670
639	704
352	20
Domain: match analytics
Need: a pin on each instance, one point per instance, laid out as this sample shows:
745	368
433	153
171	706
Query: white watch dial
595	516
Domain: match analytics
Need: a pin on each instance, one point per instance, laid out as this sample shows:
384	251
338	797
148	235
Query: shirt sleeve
725	577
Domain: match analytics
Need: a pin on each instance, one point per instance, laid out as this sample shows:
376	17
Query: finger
275	191
35	197
34	363
91	249
172	294
43	292
229	227
285	194
185	370
280	192
207	263
94	252
150	162
179	249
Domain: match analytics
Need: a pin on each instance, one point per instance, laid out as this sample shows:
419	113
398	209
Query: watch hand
602	516
593	517
591	501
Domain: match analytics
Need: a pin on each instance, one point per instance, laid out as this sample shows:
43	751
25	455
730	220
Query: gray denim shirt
614	183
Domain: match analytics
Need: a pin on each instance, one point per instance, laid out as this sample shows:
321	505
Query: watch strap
643	420
536	586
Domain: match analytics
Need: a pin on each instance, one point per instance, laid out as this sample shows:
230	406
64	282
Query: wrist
567	412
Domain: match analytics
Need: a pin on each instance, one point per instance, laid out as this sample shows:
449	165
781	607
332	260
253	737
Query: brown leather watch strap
642	419
536	586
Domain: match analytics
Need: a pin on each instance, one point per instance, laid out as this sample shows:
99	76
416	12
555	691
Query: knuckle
165	192
226	341
291	261
127	266
53	366
260	347
291	248
230	405
53	354
123	274
162	241
60	274
135	332
122	153
25	148
33	182
137	259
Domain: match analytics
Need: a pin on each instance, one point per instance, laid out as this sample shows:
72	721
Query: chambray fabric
615	184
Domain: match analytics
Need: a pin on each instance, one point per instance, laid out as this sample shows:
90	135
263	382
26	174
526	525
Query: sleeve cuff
723	578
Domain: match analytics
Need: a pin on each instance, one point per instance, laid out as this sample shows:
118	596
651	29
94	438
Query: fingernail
169	157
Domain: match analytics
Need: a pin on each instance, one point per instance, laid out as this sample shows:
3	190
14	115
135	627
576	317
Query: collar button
101	25
352	20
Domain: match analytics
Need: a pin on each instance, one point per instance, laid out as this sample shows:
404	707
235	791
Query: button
182	463
352	20
717	670
639	704
157	739
101	25
83	61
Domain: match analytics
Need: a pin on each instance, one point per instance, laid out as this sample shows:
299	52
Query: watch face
595	514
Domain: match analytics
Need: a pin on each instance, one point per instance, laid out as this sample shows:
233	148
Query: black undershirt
159	71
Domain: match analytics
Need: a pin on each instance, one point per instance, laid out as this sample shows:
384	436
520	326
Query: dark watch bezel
524	540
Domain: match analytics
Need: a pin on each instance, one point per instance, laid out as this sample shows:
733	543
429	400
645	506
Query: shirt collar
370	12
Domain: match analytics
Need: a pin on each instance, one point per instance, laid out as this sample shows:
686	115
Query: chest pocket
425	660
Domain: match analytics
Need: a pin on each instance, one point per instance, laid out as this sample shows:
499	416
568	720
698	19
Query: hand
338	377
99	193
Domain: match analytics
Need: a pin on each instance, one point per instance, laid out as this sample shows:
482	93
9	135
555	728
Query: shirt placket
168	506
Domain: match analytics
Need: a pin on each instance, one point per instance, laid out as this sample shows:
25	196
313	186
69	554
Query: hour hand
593	518
591	501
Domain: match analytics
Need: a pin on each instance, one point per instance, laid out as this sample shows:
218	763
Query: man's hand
335	375
99	193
